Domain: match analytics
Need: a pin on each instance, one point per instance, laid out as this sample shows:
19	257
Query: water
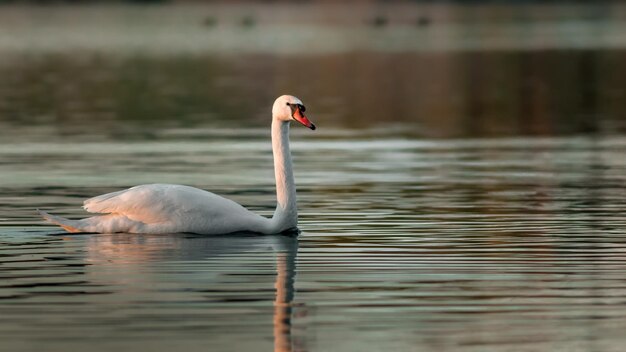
485	244
479	211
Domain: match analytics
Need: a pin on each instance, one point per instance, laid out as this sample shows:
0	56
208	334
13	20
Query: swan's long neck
286	214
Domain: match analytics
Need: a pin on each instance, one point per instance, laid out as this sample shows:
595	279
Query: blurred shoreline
425	70
305	29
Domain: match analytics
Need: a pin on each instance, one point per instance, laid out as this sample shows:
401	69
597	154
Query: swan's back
175	207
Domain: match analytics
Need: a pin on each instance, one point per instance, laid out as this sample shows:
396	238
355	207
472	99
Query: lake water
451	199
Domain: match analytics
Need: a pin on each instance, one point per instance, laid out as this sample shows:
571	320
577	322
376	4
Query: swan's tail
66	224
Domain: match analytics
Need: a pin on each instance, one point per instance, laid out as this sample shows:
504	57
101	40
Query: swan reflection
205	266
285	277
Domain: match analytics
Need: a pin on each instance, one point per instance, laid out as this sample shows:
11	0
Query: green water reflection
421	94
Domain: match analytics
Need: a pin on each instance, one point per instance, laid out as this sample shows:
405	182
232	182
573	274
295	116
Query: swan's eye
293	108
296	107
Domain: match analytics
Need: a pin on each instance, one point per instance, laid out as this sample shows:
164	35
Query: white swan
163	208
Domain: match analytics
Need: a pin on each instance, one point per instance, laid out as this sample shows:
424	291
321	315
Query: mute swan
163	208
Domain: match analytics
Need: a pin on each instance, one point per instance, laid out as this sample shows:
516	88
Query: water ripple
446	244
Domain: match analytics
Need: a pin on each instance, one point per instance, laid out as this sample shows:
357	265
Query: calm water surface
465	189
481	244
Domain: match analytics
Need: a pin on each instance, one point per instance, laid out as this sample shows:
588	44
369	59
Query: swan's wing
146	203
161	202
104	203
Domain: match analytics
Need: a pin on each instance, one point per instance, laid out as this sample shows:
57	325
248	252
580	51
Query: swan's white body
164	208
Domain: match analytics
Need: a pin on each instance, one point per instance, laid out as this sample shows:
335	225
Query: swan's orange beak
299	116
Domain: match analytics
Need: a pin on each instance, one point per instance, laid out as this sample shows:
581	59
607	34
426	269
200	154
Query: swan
167	208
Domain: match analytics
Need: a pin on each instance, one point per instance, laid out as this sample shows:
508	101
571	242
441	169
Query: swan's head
289	108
